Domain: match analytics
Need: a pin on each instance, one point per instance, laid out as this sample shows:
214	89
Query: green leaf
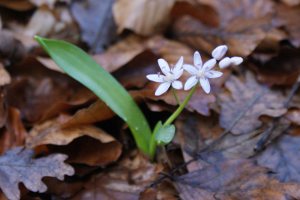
79	65
165	134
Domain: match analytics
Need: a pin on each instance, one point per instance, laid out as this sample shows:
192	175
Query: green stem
153	144
180	108
175	96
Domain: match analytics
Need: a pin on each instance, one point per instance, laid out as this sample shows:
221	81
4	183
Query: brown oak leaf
269	103
18	165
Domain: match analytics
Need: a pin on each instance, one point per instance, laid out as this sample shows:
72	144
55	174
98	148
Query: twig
260	145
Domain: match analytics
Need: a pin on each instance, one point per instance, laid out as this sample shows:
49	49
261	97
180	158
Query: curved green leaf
79	65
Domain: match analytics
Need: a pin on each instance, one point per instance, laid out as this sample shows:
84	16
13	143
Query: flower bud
219	52
225	62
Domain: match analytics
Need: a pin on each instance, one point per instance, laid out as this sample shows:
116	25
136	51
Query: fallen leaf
18	165
281	158
5	78
242	26
40	93
98	149
96	22
269	103
143	17
234	179
286	17
121	53
291	2
14	133
11	49
19	5
36	26
124	181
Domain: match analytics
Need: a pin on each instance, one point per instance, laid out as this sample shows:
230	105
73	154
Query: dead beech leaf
291	2
14	133
234	179
18	165
281	157
4	76
19	5
96	22
36	26
98	149
243	24
124	181
287	17
96	112
270	103
50	64
40	93
144	17
11	49
121	53
50	132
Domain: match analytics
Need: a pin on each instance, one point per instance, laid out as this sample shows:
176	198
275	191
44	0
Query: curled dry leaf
142	16
269	103
99	148
234	179
124	181
11	49
40	93
242	26
18	165
14	133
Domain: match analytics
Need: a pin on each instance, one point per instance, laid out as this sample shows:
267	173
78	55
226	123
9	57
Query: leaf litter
239	142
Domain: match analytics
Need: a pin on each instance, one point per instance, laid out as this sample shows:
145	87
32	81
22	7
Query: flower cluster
199	72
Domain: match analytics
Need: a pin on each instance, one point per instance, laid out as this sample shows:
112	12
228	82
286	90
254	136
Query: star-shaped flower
169	78
201	73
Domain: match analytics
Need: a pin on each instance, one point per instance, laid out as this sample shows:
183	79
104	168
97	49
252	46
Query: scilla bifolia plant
80	66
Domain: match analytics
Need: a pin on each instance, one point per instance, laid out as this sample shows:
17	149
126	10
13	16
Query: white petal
177	85
219	52
190	69
205	84
197	60
177	74
156	78
208	65
213	74
164	66
190	83
225	62
162	88
236	60
178	65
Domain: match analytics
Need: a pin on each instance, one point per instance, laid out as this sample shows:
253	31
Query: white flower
226	62
219	52
169	78
201	73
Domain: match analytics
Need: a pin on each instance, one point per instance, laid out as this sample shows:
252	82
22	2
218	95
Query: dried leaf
19	5
242	26
287	17
124	181
281	158
40	93
36	26
96	22
269	103
18	165
234	179
143	17
5	78
96	150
